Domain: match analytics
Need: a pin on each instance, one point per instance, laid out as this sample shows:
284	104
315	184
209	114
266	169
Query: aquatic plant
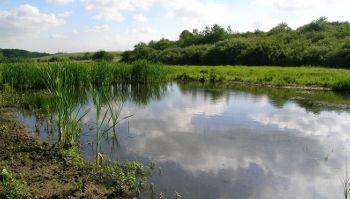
26	75
346	183
68	114
125	178
106	118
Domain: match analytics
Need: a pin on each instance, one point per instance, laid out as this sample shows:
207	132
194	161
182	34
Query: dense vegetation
30	75
319	43
15	54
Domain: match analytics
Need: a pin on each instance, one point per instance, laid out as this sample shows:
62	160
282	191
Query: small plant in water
346	183
106	118
125	178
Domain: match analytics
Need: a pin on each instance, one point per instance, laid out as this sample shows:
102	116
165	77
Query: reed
68	115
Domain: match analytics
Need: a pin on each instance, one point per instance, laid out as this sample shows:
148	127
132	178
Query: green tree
102	56
2	57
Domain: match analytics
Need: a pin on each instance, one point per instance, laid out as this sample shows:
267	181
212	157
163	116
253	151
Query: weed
73	158
12	188
127	177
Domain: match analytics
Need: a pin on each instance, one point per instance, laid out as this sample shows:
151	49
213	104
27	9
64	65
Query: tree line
319	43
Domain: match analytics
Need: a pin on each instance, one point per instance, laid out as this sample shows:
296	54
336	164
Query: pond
229	141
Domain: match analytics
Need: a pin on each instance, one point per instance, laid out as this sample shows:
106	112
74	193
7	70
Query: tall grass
28	75
61	85
108	107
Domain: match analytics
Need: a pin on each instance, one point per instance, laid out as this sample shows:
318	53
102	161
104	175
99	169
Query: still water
220	141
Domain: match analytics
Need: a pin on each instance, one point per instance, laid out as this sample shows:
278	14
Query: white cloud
139	18
57	36
59	2
65	14
194	13
100	28
189	12
265	23
26	20
111	9
297	5
143	30
75	31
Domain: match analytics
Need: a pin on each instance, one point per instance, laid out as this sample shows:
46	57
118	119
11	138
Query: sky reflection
235	145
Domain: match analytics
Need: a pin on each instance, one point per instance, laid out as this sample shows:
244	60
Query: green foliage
342	86
320	43
125	178
81	75
102	56
12	188
73	158
7	96
2	57
144	72
17	53
60	83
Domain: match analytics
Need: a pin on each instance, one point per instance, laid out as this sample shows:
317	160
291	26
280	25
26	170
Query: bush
102	56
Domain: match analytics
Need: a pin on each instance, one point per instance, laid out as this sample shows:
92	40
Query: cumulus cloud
75	31
111	9
139	18
191	12
265	23
100	28
65	14
293	5
194	13
57	36
26	20
59	2
142	30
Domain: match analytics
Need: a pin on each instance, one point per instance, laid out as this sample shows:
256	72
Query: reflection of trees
141	94
313	101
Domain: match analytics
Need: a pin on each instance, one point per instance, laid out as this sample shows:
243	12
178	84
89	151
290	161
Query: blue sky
90	25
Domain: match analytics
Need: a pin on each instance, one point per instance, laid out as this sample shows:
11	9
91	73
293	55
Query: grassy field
338	79
32	75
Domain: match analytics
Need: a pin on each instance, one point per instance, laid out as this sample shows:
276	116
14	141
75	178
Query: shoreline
40	167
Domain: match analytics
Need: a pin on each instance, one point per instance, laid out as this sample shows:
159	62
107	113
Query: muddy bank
40	165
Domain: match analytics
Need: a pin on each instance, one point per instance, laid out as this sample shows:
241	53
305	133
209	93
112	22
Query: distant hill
77	56
20	54
13	55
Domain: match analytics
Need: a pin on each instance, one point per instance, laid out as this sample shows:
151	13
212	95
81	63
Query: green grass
73	158
11	187
275	76
30	75
116	55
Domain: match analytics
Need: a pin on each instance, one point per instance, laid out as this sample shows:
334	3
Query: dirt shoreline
40	165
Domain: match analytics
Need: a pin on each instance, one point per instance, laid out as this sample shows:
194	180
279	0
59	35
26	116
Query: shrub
12	188
102	56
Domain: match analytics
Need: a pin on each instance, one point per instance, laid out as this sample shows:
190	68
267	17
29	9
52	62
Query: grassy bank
32	75
337	79
33	169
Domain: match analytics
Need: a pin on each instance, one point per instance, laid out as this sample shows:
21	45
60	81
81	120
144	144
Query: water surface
227	141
